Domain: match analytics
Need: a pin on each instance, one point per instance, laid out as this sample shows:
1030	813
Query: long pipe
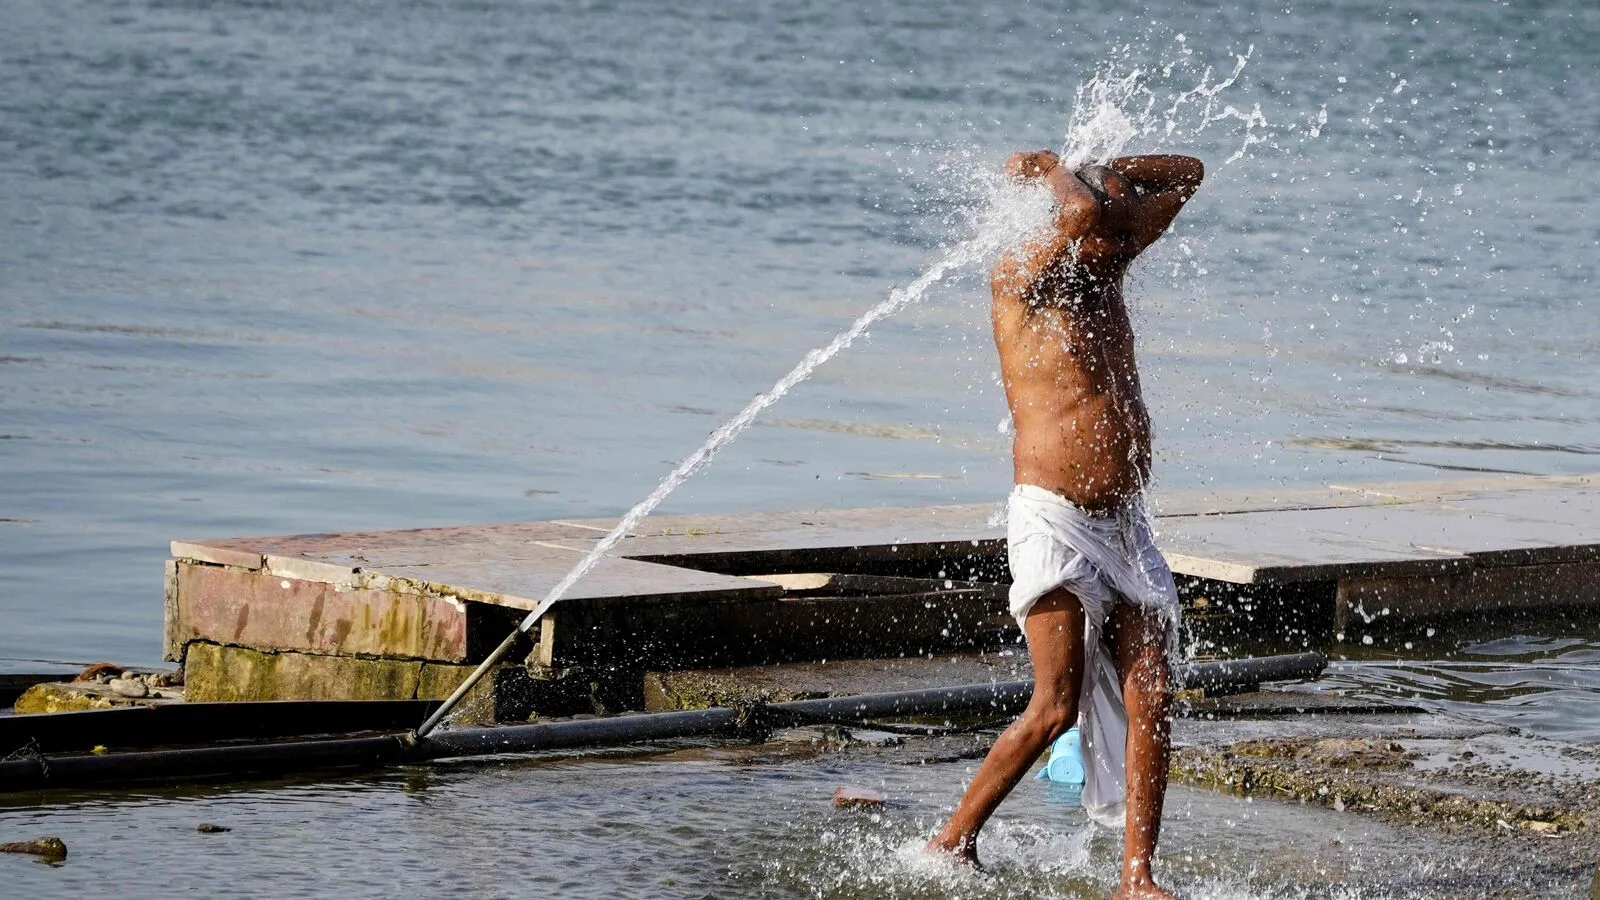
385	750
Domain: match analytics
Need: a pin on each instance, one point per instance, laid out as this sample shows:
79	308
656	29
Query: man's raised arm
1164	184
1157	173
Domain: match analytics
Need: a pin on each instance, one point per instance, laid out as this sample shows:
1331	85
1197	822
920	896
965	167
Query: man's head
1111	189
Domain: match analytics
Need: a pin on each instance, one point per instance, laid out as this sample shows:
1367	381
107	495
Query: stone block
220	556
216	673
171	642
294	567
269	612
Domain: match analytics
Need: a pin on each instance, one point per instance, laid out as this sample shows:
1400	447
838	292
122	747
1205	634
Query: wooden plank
171	641
1209	503
1444	489
874	537
1343	496
136	727
714	631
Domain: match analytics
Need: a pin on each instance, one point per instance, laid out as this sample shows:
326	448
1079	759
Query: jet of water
1101	127
1007	220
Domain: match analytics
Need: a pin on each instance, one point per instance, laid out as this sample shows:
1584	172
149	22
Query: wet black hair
1094	178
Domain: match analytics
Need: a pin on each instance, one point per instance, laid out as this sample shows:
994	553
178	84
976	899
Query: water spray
1100	128
898	299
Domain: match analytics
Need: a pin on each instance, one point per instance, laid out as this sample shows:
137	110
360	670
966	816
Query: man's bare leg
1138	640
1054	629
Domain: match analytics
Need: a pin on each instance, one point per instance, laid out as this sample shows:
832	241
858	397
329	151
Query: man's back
1061	325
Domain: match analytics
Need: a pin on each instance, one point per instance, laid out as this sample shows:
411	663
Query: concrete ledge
269	611
702	688
1362	600
216	673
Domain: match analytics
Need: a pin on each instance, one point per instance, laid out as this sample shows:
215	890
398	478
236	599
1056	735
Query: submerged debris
47	847
208	828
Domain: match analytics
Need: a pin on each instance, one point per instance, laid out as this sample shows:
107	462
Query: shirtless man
1092	593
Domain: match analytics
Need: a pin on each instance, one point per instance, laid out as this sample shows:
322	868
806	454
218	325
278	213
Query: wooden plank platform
679	582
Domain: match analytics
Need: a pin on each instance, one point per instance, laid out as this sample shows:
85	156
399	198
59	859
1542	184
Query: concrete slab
519	580
676	590
425	544
954	518
701	688
1299	545
270	612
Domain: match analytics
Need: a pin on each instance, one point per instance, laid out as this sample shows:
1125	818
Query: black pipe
177	724
575	733
384	750
36	772
1237	676
1000	698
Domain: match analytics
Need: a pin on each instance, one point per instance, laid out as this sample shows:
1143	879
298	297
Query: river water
693	825
271	266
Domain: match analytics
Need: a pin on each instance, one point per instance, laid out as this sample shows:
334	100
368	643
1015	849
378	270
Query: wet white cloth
1102	558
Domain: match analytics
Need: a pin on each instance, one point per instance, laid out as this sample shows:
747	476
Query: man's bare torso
1061	325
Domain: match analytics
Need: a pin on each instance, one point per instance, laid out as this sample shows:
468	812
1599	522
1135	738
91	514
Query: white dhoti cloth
1102	558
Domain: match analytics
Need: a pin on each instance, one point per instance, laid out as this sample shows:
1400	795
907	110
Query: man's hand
1027	165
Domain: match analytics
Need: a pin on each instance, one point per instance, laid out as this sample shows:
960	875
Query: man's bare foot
1143	890
962	851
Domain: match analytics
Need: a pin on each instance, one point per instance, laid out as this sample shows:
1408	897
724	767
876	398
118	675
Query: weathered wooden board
1341	496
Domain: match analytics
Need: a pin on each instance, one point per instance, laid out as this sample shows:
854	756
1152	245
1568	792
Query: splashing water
1110	111
1114	109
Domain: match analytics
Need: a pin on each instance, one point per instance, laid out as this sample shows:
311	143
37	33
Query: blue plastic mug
1066	759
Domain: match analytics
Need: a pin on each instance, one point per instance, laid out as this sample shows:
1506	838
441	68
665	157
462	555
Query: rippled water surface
1545	683
694	826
